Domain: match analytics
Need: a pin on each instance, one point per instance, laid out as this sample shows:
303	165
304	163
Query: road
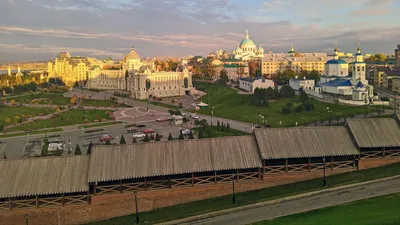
305	204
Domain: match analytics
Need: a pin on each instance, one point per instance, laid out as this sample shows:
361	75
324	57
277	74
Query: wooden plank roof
173	157
43	176
302	142
375	133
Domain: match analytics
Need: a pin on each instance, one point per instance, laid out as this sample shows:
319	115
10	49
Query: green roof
230	60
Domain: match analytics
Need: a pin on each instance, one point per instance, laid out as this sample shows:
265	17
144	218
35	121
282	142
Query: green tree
108	142
222	126
171	112
158	137
146	138
286	92
1	127
181	136
122	141
191	135
89	150
134	141
177	112
380	57
253	67
77	150
200	135
228	127
286	75
223	76
218	125
314	75
170	137
304	97
299	108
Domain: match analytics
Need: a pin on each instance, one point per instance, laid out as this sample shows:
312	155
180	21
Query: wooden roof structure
375	133
43	176
173	157
304	142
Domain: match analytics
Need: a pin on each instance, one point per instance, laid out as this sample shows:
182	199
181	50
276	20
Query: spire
292	49
358	49
247	34
133	48
19	69
336	48
9	71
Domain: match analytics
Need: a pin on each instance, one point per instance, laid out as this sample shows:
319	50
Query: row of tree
262	95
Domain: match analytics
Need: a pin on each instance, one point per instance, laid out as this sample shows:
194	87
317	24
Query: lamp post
233	189
330	118
324	181
26	219
70	147
45	132
212	114
136	204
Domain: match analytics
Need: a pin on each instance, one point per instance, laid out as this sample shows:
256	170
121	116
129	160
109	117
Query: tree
288	108
222	126
4	156
16	119
380	57
304	97
89	150
146	138
223	76
218	125
260	97
122	141
200	135
181	136
286	75
308	106
77	150
1	127
299	108
314	75
191	135
134	141
253	67
170	137
177	112
108	142
7	120
158	137
228	127
272	93
171	112
286	92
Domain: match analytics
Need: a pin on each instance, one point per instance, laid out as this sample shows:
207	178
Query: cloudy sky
38	29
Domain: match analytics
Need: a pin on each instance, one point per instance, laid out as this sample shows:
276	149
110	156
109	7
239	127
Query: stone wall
115	205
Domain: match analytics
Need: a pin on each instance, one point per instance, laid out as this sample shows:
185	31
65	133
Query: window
358	68
363	68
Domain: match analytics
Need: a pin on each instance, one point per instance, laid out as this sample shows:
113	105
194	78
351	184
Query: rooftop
337	83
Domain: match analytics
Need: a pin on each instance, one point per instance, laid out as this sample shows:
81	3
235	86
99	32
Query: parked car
194	116
106	137
141	125
149	131
162	119
187	132
194	105
132	129
257	126
138	135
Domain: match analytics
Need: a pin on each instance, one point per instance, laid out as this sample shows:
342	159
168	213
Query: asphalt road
305	204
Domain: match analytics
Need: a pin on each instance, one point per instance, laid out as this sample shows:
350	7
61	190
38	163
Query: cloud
275	5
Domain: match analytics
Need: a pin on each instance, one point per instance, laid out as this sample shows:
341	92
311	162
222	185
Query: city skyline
39	29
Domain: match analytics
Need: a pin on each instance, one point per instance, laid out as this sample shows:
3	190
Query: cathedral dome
260	49
238	49
132	55
247	42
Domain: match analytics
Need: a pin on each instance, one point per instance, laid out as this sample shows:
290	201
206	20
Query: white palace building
141	80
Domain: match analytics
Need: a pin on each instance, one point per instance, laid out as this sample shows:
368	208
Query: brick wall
109	206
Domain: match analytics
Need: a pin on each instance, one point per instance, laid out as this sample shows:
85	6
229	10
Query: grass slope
229	104
379	210
10	112
71	117
225	202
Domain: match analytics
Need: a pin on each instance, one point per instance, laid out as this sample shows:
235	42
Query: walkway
305	204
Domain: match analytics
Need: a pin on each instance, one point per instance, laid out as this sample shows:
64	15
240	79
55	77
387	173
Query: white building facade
302	84
248	51
250	84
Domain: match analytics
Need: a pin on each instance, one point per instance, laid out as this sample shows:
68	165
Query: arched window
363	69
358	68
148	84
186	82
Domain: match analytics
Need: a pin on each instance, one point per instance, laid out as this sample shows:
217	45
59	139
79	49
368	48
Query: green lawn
21	111
219	133
373	211
229	104
59	99
225	202
71	117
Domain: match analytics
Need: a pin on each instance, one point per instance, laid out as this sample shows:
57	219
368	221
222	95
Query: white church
337	80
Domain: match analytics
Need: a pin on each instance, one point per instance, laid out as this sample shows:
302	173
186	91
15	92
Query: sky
39	29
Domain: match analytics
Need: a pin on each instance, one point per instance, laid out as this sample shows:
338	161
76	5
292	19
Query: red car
148	131
106	137
162	119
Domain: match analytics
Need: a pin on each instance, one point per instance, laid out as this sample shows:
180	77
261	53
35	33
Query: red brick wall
109	206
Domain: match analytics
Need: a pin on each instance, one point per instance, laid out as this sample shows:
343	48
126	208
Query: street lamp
212	114
26	219
324	181
137	211
329	111
70	147
233	189
45	132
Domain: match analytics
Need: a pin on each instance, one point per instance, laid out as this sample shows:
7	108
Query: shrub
122	141
170	137
303	97
77	150
308	106
386	99
288	108
299	108
181	136
286	92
